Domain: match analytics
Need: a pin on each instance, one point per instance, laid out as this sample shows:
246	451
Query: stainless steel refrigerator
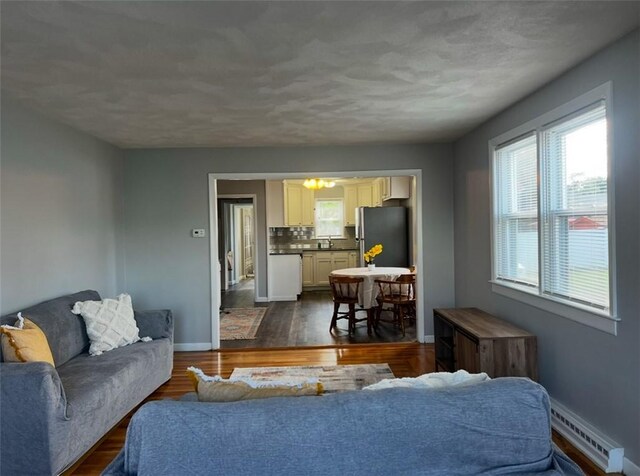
387	226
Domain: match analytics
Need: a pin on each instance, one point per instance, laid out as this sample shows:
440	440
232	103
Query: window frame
535	296
315	217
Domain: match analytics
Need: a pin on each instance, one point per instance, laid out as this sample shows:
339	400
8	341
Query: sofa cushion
110	323
102	389
66	332
25	342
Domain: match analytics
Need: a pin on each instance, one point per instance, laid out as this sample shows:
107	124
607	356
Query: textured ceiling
159	74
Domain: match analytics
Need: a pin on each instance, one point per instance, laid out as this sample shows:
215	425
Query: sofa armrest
33	404
155	324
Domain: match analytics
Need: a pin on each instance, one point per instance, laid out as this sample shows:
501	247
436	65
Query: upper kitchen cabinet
365	194
299	205
377	192
396	188
275	203
357	195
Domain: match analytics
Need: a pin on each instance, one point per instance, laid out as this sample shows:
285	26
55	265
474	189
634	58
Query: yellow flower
372	253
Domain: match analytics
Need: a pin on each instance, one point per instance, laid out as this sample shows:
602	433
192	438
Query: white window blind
552	212
574	208
516	212
329	218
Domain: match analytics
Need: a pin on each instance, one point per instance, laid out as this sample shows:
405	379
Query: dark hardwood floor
405	360
305	323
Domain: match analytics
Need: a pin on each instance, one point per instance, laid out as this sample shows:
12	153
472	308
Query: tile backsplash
302	237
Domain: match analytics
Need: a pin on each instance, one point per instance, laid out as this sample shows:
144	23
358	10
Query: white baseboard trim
429	339
261	299
630	468
192	346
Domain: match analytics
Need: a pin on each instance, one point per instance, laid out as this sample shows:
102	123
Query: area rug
334	378
238	323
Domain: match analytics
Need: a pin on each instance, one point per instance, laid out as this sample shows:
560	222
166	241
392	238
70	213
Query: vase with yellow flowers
369	256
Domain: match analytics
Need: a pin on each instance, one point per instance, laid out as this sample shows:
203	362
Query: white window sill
574	312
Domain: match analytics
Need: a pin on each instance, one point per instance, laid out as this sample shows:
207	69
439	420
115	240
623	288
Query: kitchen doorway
250	181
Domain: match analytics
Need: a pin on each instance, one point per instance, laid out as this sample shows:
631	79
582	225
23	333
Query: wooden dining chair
345	291
401	294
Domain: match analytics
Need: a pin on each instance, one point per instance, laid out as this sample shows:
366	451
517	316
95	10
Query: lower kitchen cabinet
353	259
308	269
324	266
316	266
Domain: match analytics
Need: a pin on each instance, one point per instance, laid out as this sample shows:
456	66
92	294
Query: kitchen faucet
330	242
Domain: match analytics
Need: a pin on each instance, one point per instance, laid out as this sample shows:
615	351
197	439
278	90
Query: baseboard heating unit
598	448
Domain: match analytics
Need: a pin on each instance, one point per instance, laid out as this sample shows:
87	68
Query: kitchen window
329	218
552	209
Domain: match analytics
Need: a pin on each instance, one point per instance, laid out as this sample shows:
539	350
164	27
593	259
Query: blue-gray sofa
51	416
501	426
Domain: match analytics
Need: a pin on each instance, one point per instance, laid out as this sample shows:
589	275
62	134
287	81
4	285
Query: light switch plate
198	233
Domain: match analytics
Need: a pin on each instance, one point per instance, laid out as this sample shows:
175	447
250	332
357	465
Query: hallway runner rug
334	378
239	323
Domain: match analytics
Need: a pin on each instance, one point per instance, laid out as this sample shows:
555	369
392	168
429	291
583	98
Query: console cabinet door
467	356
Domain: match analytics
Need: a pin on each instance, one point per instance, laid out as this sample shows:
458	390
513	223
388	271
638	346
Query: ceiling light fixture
317	184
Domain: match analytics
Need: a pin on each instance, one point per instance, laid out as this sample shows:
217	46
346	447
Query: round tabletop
377	271
368	291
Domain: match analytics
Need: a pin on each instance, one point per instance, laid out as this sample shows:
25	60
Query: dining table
368	291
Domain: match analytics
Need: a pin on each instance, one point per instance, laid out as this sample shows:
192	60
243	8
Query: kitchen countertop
308	250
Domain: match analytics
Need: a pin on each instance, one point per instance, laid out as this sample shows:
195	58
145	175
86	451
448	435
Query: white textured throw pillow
110	323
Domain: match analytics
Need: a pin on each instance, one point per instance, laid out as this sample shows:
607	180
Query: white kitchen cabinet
357	195
317	265
285	277
377	192
396	188
275	203
339	260
365	194
353	259
350	204
324	266
299	205
308	269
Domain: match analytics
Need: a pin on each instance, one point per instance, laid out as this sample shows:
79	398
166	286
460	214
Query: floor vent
598	448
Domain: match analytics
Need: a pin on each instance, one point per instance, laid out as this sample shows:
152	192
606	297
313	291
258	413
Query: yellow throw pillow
24	342
217	389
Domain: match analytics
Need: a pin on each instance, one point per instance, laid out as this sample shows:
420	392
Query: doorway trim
213	233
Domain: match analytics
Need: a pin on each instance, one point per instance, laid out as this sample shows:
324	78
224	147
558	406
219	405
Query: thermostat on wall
198	233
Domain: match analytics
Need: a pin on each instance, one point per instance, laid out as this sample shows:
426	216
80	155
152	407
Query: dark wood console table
473	340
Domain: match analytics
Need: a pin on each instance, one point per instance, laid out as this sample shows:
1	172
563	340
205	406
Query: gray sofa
501	426
52	416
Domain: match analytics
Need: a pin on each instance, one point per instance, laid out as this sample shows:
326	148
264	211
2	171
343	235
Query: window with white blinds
574	209
551	209
516	223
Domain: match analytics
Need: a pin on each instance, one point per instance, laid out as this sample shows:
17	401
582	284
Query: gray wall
60	210
166	192
595	374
